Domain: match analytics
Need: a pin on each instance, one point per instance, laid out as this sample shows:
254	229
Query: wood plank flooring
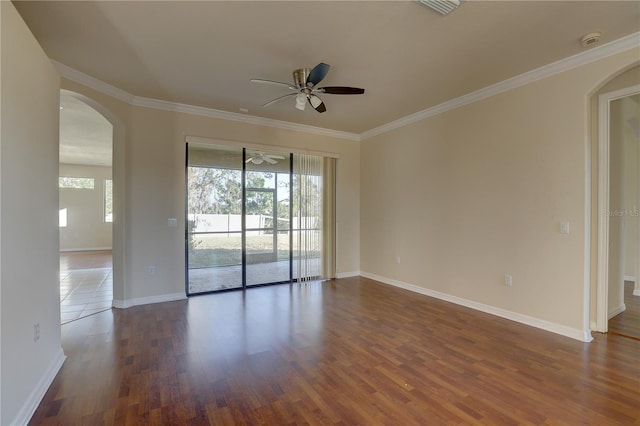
345	352
627	324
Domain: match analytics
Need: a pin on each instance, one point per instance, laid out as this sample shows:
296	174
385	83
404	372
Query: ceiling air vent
443	7
590	39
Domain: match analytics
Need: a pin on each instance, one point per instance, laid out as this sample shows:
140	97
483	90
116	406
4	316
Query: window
76	182
108	200
62	213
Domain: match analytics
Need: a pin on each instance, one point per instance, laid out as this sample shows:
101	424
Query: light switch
564	227
173	221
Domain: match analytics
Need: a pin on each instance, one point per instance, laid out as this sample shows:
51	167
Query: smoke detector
443	7
590	39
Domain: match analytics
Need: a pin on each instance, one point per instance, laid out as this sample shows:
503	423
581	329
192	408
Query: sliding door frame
243	223
243	219
203	141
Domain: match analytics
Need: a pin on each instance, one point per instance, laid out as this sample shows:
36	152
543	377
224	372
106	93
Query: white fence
226	223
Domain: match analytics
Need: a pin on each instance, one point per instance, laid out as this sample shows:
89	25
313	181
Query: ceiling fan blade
275	157
273	83
249	160
317	103
270	161
341	90
279	99
317	74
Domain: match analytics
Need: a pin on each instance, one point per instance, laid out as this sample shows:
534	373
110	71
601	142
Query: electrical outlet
508	280
36	332
152	270
398	260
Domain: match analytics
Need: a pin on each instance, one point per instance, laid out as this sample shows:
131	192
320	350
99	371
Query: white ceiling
86	137
406	56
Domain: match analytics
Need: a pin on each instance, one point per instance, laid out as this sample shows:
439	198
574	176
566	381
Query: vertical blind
329	215
314	215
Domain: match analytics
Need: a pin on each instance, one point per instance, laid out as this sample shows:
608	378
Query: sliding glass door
251	219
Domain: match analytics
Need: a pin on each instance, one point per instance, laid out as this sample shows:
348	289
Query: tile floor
84	292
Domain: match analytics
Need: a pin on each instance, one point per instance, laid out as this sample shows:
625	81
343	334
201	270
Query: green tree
219	191
214	191
307	190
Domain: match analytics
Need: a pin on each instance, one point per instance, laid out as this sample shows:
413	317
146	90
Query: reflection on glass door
267	223
214	225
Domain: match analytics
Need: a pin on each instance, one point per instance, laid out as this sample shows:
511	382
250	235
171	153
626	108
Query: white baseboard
85	249
630	278
617	311
34	399
123	304
581	335
348	274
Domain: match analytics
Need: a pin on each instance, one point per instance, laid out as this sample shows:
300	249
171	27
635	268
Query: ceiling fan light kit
301	101
305	81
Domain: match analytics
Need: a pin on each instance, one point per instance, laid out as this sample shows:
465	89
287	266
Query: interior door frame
602	277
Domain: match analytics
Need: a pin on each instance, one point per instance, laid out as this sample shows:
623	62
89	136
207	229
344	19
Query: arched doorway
91	147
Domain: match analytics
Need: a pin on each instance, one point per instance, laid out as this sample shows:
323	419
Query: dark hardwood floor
627	324
344	352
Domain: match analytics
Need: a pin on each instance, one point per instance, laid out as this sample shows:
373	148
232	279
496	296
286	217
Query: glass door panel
267	218
214	219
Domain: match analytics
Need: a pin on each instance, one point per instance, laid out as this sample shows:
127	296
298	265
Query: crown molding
617	46
232	116
93	83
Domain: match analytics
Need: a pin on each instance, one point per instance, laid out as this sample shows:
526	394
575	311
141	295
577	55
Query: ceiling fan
260	157
305	88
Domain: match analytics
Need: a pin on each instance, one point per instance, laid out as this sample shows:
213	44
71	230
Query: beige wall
470	195
154	158
86	228
30	99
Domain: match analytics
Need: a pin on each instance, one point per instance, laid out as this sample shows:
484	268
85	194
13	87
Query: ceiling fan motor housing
300	77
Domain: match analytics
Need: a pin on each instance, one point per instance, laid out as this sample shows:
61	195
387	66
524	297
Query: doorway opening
618	239
254	218
86	209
